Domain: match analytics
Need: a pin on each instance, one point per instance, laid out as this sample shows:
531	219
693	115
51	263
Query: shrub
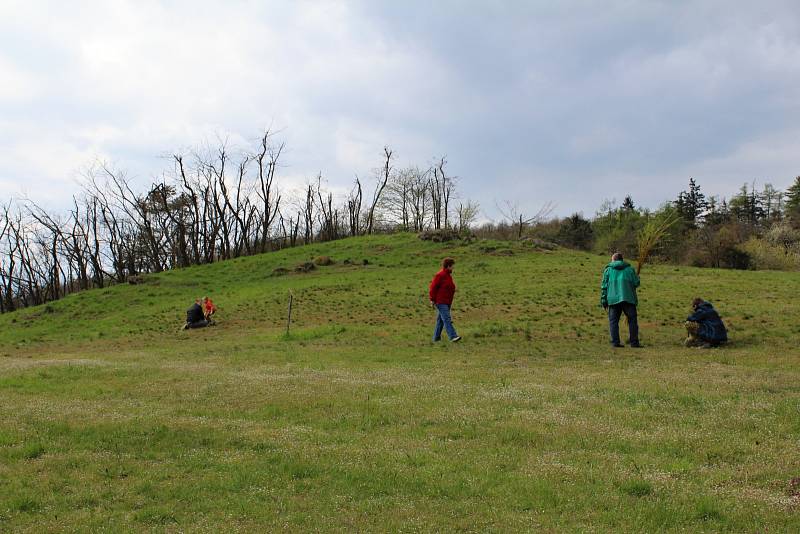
25	504
735	258
502	231
576	232
547	231
540	244
32	451
782	234
323	260
439	236
305	267
617	231
765	255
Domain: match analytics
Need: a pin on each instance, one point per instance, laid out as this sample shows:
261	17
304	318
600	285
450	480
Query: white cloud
530	98
769	159
16	85
51	168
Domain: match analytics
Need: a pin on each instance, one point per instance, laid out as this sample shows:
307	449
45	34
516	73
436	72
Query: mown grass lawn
112	419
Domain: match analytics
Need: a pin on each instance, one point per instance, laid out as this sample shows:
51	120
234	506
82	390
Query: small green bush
636	488
25	504
32	451
707	510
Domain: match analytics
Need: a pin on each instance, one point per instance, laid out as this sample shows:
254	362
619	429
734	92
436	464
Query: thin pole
289	320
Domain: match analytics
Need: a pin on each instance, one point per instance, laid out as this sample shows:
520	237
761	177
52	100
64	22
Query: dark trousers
198	324
615	311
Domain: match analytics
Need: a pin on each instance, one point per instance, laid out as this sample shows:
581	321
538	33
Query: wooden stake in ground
650	235
289	319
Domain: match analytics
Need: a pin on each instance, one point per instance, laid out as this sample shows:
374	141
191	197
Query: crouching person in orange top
208	308
441	292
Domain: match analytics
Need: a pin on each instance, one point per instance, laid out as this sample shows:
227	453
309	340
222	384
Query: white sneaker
457	338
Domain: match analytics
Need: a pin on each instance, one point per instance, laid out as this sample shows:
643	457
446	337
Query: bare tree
327	214
291	233
239	210
418	197
194	226
308	213
215	203
354	208
512	212
215	172
267	159
92	241
56	237
467	214
441	190
116	249
139	212
382	181
11	244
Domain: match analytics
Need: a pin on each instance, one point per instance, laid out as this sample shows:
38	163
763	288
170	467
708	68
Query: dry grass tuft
649	237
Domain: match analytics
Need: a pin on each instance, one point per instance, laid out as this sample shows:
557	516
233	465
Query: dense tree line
753	229
213	203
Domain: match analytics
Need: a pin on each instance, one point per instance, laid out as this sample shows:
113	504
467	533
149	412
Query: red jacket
442	288
209	307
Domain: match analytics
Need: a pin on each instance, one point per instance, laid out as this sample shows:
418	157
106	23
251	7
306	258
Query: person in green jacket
618	296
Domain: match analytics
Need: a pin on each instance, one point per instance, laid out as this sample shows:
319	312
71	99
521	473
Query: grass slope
112	419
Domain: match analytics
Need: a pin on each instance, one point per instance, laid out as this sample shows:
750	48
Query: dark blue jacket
711	326
194	314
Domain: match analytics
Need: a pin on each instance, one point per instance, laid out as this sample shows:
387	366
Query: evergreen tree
680	205
691	205
575	231
627	204
717	213
792	205
725	210
696	201
771	200
747	206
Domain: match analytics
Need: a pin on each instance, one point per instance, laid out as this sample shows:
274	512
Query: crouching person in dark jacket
195	317
705	327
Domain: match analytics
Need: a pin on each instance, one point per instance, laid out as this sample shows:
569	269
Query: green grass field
111	419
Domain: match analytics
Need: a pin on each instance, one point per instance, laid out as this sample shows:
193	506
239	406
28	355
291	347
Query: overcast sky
565	101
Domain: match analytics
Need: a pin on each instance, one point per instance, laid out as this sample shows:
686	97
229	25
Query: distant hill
382	281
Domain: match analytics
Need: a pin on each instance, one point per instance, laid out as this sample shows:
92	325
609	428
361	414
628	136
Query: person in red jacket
208	308
441	292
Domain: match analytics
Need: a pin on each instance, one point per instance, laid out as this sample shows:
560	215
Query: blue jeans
615	311
443	320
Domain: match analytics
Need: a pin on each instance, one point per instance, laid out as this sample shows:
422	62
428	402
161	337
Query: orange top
209	306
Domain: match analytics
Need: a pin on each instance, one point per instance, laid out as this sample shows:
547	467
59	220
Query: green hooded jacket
619	284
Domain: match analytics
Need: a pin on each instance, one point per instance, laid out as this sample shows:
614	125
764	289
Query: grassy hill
114	419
